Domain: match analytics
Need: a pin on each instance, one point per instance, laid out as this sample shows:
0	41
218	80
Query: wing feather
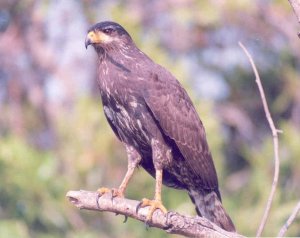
178	119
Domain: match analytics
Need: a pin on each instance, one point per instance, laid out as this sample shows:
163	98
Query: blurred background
54	137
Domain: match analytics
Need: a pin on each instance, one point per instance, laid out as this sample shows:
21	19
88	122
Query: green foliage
29	192
13	228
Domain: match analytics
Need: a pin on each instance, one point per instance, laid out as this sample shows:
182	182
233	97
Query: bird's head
107	35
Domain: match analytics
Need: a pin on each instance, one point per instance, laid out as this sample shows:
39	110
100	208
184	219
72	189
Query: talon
146	225
154	204
113	192
97	200
138	206
125	219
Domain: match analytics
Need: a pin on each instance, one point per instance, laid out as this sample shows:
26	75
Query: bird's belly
132	133
129	128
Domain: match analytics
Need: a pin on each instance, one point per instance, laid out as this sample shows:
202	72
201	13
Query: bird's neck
101	53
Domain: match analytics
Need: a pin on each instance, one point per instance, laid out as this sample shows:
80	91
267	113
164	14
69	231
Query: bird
152	115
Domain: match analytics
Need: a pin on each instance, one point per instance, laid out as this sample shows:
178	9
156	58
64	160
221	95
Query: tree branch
173	222
289	221
275	141
296	7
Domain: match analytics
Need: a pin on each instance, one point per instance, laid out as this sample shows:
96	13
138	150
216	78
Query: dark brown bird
151	113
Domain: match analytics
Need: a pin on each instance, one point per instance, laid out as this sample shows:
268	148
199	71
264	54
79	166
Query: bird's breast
123	104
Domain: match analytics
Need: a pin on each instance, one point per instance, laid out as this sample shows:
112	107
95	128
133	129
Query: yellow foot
114	192
154	204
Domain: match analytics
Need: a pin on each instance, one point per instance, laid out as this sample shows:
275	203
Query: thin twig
289	221
296	7
173	222
275	141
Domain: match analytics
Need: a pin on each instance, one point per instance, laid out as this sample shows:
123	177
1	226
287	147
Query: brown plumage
153	116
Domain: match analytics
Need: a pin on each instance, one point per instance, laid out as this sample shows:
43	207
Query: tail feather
209	205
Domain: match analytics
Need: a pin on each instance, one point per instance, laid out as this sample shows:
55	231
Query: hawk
153	116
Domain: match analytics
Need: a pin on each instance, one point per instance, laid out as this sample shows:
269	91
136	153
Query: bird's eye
108	30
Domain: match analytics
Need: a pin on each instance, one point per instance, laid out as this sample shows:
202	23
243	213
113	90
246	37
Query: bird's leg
161	156
134	159
156	203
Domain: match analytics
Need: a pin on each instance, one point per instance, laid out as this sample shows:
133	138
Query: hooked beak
92	37
87	41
